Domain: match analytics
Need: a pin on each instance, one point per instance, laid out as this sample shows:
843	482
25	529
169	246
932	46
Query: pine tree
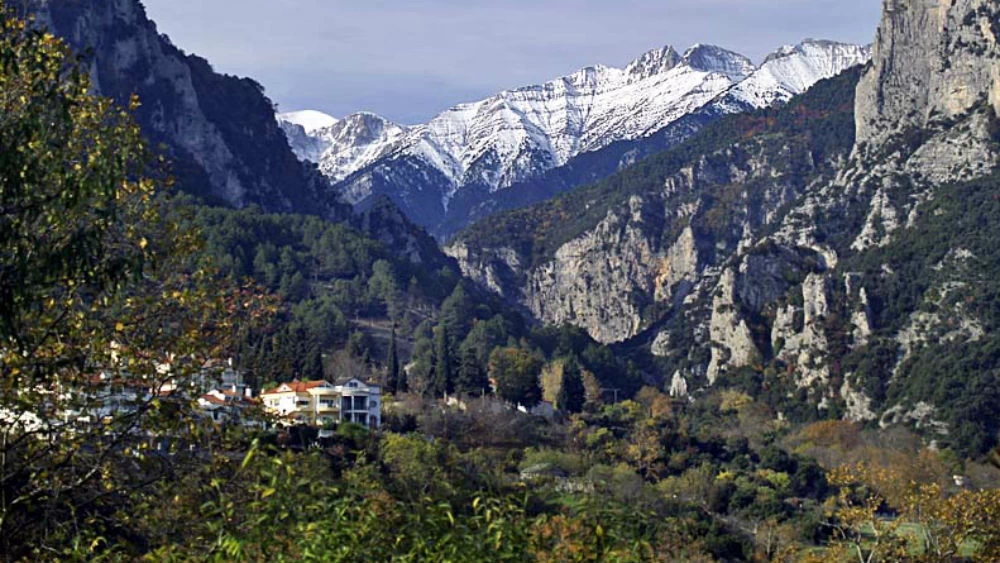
443	378
571	392
392	379
472	379
312	365
457	313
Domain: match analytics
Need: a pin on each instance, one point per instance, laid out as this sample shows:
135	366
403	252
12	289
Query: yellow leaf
119	326
143	243
267	492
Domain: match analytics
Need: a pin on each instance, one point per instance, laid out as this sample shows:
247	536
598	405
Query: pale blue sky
410	59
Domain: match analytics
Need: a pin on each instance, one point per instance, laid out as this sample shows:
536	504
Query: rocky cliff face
655	250
834	272
932	59
925	117
219	131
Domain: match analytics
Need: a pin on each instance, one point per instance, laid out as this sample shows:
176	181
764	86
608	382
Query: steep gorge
812	267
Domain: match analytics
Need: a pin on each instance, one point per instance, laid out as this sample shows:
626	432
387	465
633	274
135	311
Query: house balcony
327	407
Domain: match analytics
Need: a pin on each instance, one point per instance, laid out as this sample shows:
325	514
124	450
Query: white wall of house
354	401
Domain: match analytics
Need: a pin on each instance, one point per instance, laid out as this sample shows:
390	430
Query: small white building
227	406
360	402
318	403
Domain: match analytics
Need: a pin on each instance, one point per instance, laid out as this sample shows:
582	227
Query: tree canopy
102	300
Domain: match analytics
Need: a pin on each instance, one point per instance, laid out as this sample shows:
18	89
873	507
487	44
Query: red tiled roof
296	386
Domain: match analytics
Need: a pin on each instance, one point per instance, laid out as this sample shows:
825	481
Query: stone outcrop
678	270
592	281
932	59
860	307
732	341
859	405
219	131
678	386
498	269
753	259
798	336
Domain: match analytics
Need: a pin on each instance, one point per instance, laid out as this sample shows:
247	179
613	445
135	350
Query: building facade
318	403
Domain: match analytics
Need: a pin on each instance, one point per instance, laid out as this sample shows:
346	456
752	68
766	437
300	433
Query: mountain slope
557	259
829	257
486	156
219	131
576	113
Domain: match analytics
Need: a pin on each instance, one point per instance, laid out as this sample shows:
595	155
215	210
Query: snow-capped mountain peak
652	63
792	69
342	146
486	146
520	133
709	58
362	128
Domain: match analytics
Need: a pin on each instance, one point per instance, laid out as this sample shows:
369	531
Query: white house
360	402
228	406
320	402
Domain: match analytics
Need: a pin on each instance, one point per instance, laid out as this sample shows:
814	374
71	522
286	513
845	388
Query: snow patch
310	120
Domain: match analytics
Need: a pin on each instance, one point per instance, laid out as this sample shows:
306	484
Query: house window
360	403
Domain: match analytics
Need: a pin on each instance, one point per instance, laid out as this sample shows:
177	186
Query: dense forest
944	273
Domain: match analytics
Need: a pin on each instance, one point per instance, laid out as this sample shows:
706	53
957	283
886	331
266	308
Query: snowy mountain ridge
519	134
793	69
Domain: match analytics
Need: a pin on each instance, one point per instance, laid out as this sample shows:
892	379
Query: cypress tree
402	385
571	392
443	378
392	379
472	379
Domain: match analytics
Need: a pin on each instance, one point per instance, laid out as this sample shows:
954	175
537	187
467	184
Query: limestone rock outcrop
932	59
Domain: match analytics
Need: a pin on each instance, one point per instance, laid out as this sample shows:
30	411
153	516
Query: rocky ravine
614	279
767	281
